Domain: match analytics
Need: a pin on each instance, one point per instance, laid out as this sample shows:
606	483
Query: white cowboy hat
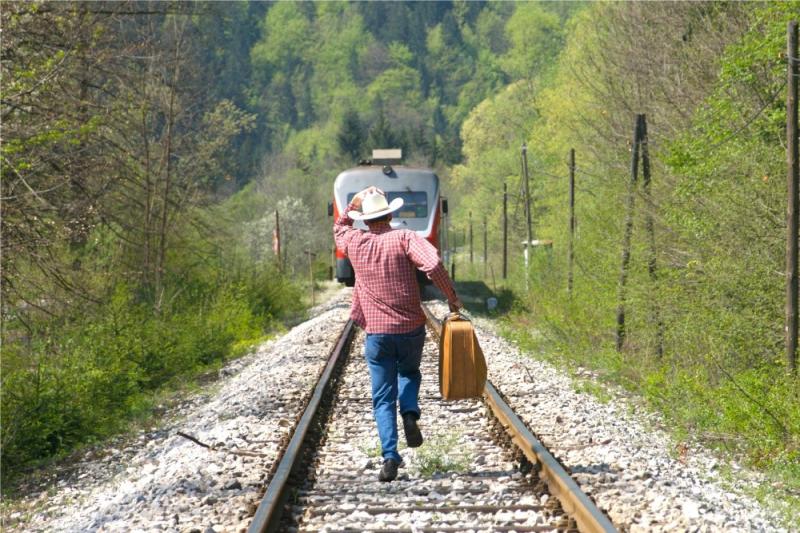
375	206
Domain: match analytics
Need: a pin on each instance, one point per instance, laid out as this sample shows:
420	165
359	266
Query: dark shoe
389	470
413	434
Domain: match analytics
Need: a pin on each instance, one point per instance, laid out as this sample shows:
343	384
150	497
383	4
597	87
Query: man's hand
359	197
455	305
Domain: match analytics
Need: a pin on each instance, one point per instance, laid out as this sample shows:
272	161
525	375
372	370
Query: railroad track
481	469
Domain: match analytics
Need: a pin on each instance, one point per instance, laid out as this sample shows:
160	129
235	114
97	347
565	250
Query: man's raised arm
343	230
343	227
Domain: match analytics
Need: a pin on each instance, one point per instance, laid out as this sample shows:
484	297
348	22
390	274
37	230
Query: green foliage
80	378
535	37
219	126
382	134
286	37
717	202
421	67
87	377
150	276
351	136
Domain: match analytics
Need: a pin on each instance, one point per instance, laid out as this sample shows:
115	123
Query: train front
419	189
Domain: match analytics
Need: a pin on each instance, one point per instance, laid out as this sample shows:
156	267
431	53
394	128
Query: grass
370	447
592	388
147	414
689	405
439	454
724	413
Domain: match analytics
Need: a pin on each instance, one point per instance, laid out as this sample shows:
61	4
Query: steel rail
268	514
573	500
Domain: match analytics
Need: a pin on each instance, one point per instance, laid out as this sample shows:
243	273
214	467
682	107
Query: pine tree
351	136
381	134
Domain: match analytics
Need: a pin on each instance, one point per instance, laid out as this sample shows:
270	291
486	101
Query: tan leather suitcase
462	367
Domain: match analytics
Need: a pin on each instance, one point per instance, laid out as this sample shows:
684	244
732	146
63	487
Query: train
423	205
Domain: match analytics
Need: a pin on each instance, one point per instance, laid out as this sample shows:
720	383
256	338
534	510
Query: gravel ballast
164	482
615	454
160	481
463	477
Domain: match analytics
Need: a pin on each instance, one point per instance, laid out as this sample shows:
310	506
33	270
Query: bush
84	378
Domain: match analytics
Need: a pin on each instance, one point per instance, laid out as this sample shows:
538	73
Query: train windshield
415	203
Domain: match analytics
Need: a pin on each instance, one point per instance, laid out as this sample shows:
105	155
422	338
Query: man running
387	305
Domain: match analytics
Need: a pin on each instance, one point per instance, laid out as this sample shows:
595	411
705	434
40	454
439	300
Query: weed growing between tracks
370	448
439	454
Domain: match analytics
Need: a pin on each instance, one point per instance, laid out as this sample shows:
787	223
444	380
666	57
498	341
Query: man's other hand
359	197
455	305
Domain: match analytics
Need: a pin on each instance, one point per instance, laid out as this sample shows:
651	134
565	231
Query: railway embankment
163	481
620	454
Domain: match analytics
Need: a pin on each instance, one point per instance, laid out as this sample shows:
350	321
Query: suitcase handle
456	315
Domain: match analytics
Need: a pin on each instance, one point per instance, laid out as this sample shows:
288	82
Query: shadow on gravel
602	468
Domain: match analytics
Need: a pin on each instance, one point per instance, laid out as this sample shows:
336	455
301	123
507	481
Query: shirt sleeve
424	256
343	230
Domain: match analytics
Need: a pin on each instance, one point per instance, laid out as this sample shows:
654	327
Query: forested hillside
147	146
704	292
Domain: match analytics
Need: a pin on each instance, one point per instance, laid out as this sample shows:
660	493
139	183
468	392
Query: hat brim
394	205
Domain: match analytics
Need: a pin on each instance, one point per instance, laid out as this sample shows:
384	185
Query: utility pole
570	250
651	234
505	230
311	255
470	238
276	240
626	238
445	234
527	201
485	245
332	267
792	215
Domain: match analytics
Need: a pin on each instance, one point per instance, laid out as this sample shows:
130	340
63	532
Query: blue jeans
393	361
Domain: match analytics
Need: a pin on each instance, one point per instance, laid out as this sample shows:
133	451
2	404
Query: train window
415	203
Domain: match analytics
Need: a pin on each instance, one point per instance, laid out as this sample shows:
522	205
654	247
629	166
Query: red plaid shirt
386	297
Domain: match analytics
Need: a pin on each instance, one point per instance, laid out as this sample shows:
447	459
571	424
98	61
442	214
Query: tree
54	163
535	37
382	134
351	136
